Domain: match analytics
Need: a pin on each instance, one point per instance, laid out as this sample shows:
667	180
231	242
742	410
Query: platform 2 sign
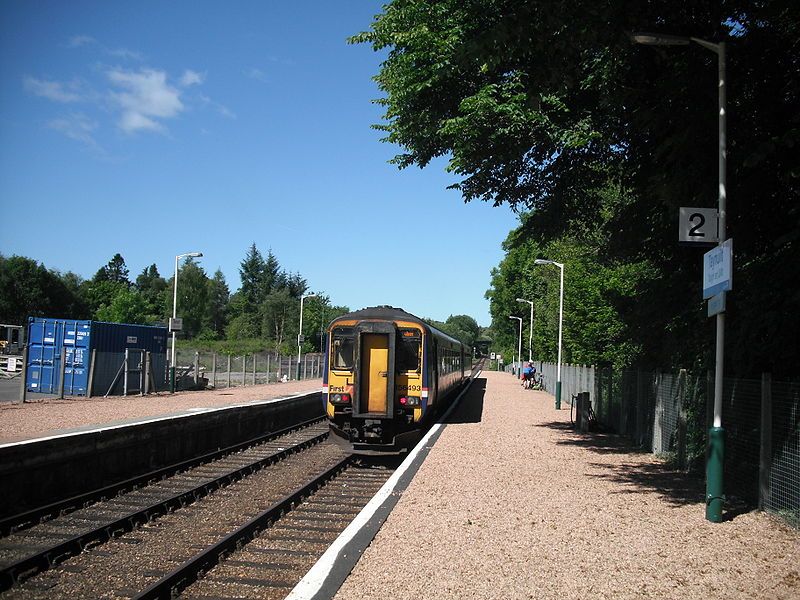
698	225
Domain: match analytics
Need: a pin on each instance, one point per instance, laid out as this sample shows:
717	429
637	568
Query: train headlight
340	399
409	401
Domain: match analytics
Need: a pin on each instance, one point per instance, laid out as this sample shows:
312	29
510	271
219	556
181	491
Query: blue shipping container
46	338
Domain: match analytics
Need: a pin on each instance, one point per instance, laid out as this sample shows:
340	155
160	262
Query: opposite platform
55	417
512	503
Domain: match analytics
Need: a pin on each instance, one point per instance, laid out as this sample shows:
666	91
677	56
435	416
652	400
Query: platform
511	502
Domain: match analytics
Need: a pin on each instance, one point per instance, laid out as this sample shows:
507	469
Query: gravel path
25	421
511	503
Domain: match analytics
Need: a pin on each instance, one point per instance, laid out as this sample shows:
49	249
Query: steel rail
38	515
45	559
173	583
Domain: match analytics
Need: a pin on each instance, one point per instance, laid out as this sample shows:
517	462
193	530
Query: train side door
375	372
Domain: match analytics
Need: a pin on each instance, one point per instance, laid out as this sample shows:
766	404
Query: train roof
390	313
382	312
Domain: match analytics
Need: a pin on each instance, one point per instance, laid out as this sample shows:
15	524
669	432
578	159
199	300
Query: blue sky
154	129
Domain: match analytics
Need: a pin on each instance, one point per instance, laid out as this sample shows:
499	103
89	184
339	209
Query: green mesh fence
669	414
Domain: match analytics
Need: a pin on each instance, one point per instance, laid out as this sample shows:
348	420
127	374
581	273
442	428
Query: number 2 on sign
699	221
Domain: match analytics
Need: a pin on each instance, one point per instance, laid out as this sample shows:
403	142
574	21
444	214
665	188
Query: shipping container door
375	371
44	355
76	371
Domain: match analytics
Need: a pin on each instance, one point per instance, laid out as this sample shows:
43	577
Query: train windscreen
408	350
343	350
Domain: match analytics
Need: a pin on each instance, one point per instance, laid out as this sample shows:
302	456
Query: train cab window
343	348
408	346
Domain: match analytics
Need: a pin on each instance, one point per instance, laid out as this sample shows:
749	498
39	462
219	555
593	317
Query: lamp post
519	345
175	314
542	261
530	336
716	435
300	333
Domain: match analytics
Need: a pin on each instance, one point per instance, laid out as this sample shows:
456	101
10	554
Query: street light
530	336
519	346
175	314
300	334
716	435
542	261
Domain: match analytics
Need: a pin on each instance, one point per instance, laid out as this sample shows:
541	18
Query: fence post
254	367
278	374
214	370
268	356
229	370
90	384
196	369
125	374
682	461
145	389
62	368
23	391
765	455
244	370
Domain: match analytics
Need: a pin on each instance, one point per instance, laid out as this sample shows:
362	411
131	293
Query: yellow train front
387	374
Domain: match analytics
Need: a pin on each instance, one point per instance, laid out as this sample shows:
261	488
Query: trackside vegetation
261	315
550	109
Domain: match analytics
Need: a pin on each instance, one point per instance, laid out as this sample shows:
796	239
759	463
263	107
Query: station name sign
718	270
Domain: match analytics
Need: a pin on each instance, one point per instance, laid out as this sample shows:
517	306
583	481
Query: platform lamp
716	434
530	336
519	346
300	332
175	315
542	261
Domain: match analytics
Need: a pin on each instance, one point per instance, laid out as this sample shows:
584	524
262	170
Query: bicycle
536	383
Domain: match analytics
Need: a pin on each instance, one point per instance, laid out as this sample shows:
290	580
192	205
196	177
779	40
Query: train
387	375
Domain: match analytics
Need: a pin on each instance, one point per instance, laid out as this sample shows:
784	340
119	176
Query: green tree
601	141
252	271
30	289
192	297
115	271
217	308
153	289
127	306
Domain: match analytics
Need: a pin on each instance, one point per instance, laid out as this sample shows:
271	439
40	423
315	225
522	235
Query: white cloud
125	54
254	73
220	108
146	97
190	77
78	41
52	90
76	126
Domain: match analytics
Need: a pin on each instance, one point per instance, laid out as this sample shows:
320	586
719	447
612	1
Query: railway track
41	514
34	547
289	512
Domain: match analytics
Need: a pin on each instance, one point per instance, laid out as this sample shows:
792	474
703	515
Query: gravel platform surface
511	503
53	416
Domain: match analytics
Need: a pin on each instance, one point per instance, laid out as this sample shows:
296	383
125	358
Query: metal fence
208	369
669	414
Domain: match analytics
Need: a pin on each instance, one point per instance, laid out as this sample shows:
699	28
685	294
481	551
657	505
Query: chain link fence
670	413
